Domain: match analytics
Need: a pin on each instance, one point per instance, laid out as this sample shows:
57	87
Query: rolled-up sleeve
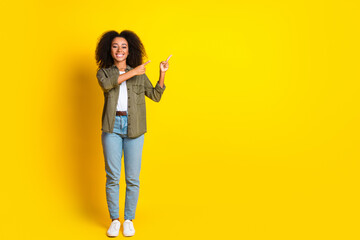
106	81
154	93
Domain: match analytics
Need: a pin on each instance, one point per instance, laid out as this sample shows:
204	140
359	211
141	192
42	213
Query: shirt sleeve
154	93
106	81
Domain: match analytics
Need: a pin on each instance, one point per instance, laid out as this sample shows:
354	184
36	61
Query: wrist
133	72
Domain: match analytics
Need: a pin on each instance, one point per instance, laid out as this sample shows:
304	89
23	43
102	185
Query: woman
121	75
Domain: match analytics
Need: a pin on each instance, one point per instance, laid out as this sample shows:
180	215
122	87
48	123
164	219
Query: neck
121	65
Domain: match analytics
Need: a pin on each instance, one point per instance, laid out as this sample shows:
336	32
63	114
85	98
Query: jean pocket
117	122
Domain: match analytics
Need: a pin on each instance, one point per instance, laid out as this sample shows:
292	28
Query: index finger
146	63
168	58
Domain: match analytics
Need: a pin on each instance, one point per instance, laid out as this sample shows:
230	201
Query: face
119	49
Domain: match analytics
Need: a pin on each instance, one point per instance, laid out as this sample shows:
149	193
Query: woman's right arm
108	81
139	70
125	76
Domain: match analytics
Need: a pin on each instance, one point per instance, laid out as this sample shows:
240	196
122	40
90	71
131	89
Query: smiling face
119	49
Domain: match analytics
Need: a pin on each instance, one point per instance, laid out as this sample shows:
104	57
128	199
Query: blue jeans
113	146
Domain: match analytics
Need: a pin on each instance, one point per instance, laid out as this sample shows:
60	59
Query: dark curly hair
103	50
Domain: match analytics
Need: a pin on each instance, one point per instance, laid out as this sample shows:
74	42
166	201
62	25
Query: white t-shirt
122	103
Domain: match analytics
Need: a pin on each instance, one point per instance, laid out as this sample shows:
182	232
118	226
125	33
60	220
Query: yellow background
256	136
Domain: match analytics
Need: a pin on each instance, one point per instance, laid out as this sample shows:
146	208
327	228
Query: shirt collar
126	69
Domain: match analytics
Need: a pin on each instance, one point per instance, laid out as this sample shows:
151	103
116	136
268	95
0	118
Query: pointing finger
168	58
146	63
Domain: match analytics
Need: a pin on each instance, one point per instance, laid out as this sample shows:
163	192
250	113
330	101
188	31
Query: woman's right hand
139	70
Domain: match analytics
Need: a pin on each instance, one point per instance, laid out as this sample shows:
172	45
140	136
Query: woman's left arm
156	93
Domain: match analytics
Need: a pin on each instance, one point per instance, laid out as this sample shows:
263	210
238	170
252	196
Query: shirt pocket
139	94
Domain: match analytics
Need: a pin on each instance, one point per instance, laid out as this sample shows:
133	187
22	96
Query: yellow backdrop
256	136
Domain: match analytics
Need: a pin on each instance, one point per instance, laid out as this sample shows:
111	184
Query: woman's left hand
164	65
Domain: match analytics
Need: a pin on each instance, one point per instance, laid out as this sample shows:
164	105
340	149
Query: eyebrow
117	44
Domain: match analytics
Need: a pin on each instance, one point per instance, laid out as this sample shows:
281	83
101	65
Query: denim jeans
113	146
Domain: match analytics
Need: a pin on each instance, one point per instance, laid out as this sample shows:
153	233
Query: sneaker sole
111	235
128	235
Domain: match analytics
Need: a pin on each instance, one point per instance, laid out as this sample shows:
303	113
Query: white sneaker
114	228
129	229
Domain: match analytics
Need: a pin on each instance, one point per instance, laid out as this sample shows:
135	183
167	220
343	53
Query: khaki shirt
138	87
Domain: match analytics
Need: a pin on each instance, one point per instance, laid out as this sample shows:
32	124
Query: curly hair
103	50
